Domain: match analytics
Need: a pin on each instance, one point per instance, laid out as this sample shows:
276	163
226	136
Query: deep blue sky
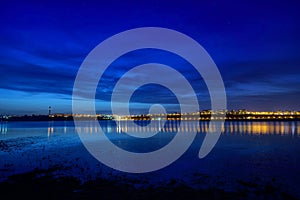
255	44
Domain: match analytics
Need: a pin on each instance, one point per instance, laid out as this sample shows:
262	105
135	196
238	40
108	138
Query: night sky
255	44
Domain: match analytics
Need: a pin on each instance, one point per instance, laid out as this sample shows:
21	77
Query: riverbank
243	165
45	184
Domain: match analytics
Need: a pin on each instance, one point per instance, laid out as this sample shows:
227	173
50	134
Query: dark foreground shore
43	184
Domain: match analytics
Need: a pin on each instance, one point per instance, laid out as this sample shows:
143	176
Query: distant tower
49	110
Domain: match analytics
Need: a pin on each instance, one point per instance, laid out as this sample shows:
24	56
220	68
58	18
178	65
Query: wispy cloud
42	46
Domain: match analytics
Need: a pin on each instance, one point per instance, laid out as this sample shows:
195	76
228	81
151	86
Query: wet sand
39	167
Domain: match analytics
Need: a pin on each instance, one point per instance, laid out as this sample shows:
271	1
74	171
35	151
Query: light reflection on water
3	128
110	127
263	128
231	127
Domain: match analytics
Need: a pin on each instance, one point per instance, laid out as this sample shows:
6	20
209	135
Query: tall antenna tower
49	110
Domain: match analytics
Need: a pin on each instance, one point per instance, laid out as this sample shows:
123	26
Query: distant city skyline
254	44
205	111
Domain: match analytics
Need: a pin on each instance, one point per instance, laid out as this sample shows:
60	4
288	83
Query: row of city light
200	115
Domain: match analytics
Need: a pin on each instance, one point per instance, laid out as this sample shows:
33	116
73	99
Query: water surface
263	153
